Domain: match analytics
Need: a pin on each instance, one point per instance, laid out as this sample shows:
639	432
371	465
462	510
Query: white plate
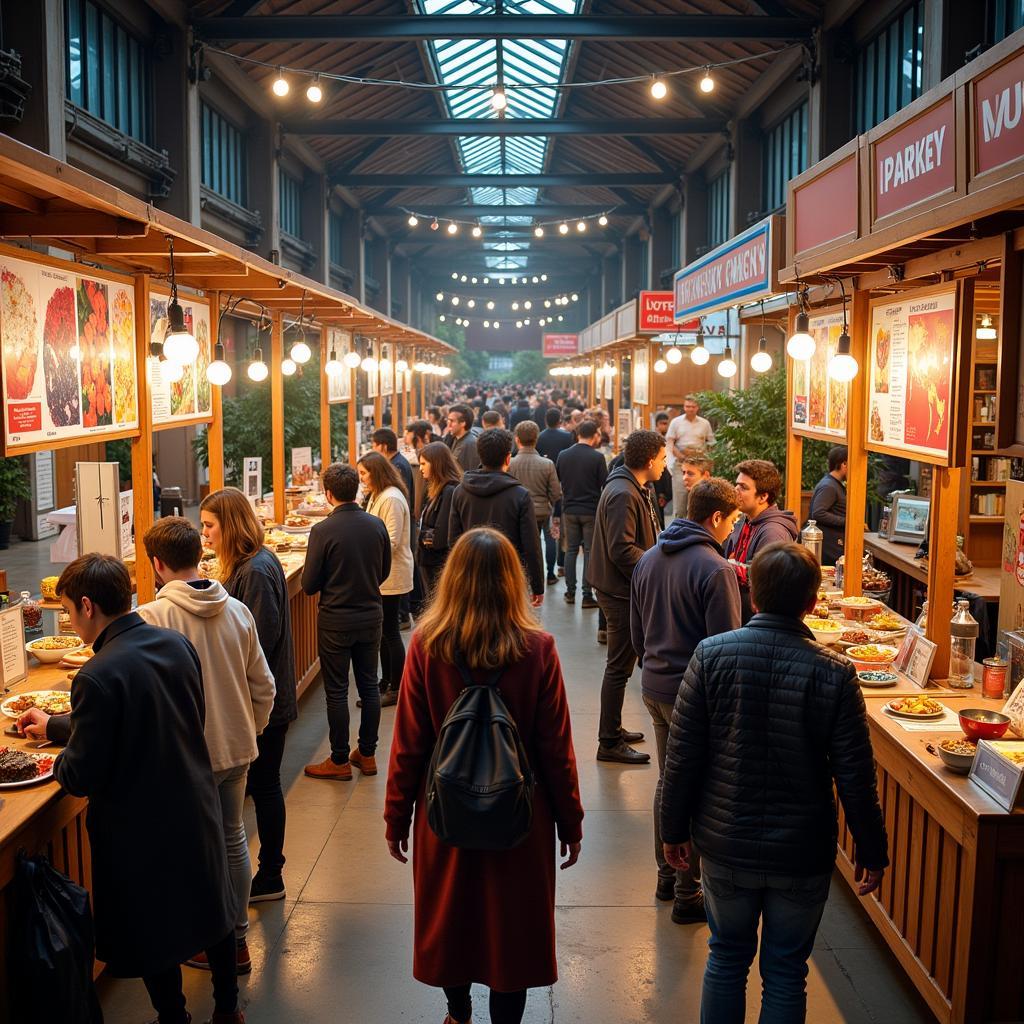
297	529
873	684
45	777
918	718
17	696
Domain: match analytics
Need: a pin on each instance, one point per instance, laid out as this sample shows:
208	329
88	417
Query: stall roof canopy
45	201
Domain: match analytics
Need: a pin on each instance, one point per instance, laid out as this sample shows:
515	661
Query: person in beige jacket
237	683
386	499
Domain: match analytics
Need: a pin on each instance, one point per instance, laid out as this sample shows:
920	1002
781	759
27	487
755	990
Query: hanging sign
998	126
655	311
302	466
387	371
912	359
819	404
339	385
557	345
188	399
744	269
68	347
824	208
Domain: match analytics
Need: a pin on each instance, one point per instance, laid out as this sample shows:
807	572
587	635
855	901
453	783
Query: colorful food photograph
183	392
883	348
203	403
876	433
21	335
60	359
838	391
818	390
930	349
123	325
94	350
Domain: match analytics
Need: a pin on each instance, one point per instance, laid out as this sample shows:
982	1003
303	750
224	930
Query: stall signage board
655	311
127	524
997	775
998	125
188	400
13	656
387	371
252	478
641	376
820	404
916	162
738	271
912	354
825	208
339	385
68	348
302	466
557	345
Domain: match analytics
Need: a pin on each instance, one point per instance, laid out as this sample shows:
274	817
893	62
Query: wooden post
378	402
215	431
794	442
325	408
856	436
942	527
277	415
142	446
353	417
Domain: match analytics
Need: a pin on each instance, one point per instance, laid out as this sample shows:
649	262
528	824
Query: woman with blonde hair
386	499
472	920
442	474
253	575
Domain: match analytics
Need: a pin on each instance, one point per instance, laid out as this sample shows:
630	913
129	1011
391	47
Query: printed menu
68	344
189	398
912	355
339	385
820	404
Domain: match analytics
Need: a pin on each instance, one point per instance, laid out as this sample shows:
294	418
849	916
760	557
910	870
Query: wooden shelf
983	423
988	483
984	391
986	519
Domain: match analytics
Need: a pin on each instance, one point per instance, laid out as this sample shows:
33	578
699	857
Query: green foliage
465	364
528	367
750	423
120	451
13	487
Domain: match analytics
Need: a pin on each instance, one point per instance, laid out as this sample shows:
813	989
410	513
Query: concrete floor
339	948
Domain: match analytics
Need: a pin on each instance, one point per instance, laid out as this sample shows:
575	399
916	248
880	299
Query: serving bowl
982	724
826	631
883	656
860	608
956	762
878	677
52	656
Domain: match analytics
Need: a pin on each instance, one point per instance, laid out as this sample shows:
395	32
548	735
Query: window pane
92	59
889	67
73	14
107	55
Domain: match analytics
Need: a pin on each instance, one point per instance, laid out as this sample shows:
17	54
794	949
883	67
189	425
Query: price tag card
13	656
996	772
1014	709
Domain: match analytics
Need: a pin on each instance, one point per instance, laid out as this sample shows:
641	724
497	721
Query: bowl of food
871	656
958	754
878	677
859	608
50	649
826	631
982	724
886	622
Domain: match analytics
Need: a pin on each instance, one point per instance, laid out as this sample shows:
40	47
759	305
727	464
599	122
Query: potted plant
13	487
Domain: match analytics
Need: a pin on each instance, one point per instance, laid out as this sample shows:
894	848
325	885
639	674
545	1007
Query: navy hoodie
683	590
774	524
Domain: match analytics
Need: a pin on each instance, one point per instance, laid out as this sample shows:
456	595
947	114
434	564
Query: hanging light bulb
487	323
455	300
369	364
402	366
561	318
563	228
477	231
543	277
471	304
301	352
433	227
519	324
700	355
660	366
332	366
538	232
603	220
707	83
413	220
674	354
499	101
455	275
439	296
659	90
527	321
581	226
547	303
490	304
535	278
280	88
727	367
258	369
288	367
487	280
463	279
179	344
842	367
801	344
352	358
496	324
172	372
575	297
314	93
527	304
453	228
218	372
515	305
986	329
761	360
442	318
473	280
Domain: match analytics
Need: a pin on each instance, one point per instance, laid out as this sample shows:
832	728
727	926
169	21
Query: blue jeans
790	910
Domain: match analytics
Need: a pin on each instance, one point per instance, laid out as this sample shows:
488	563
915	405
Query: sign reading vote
998	110
916	161
738	271
655	311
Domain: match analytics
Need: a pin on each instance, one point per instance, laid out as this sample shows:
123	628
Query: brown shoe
243	963
366	764
327	769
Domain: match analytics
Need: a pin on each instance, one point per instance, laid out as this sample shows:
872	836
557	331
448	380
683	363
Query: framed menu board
820	405
912	352
339	385
641	376
68	347
387	371
188	400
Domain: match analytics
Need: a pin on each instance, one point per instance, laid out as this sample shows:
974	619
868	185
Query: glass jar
922	620
811	538
840	571
963	629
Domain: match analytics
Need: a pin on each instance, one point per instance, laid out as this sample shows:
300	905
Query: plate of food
294	523
869	656
50	649
878	678
826	631
53	702
24	767
854	636
886	622
76	659
915	707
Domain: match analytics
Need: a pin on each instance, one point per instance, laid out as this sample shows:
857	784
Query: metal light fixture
658	90
699	355
842	367
761	360
707	83
258	370
280	86
333	365
727	367
801	344
314	93
986	330
180	346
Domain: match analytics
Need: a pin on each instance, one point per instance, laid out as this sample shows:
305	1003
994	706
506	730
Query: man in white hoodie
237	683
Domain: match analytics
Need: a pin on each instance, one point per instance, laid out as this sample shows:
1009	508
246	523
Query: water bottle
963	634
811	538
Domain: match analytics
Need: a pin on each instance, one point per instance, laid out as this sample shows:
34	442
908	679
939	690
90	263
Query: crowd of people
694	576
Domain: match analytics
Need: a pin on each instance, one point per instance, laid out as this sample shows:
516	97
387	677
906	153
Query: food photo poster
189	397
820	404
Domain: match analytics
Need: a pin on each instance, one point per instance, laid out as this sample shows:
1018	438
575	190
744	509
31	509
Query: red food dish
981	724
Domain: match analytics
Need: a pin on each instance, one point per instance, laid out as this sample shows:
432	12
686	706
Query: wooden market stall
920	223
94	314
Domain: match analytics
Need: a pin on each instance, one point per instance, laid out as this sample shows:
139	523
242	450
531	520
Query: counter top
984	581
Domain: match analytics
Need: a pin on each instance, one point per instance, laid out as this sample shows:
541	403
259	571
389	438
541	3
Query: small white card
13	656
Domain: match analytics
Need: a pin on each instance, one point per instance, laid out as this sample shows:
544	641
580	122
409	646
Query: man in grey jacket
537	474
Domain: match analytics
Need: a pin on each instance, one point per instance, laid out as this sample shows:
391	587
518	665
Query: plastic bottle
963	630
811	538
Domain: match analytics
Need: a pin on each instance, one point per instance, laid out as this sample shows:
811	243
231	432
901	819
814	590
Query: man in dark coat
520	412
135	747
828	506
683	591
582	472
460	437
766	722
625	527
491	497
553	440
757	486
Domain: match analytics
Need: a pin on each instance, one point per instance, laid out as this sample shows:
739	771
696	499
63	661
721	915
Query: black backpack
480	786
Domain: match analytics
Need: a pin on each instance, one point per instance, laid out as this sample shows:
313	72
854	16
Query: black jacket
772	525
401	463
625	527
436	518
683	591
491	498
765	721
260	585
828	510
519	413
135	748
582	472
347	559
553	441
464	450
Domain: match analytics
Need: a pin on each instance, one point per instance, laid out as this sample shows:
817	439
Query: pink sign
654	311
916	161
998	106
826	207
556	345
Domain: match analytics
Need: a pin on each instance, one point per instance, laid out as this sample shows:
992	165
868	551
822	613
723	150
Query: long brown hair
443	467
382	474
241	535
480	609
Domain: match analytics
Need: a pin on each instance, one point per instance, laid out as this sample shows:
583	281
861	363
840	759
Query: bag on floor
480	786
52	948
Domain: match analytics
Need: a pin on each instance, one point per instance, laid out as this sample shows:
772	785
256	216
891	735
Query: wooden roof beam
69	224
585	179
505	128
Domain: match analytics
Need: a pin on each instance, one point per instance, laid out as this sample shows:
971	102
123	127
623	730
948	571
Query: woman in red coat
484	916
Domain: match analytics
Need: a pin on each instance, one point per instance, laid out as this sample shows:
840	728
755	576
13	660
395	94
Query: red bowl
981	724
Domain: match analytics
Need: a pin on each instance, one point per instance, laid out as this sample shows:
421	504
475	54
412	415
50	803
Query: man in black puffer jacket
765	721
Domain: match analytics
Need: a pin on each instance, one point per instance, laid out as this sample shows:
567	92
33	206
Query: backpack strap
467	679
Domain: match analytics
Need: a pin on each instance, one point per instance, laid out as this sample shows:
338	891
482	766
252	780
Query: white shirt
684	433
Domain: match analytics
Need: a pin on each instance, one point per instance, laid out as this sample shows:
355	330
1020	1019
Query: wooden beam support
942	526
277	416
794	442
11	196
378	401
215	430
155	243
857	455
325	408
964	254
69	224
353	411
142	446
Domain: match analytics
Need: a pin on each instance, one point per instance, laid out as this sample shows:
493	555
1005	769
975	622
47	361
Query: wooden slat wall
304	637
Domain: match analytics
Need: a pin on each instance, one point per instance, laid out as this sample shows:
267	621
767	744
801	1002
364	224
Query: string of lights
453	225
501	280
562	299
